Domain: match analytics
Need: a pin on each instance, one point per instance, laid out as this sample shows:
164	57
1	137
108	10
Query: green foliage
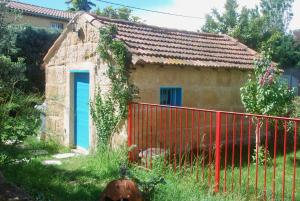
297	106
78	5
263	156
18	118
250	28
277	13
7	45
85	177
103	114
148	187
3	22
260	28
110	109
222	23
265	92
33	44
118	13
283	48
27	42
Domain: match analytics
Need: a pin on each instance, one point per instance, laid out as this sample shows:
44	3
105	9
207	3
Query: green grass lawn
83	178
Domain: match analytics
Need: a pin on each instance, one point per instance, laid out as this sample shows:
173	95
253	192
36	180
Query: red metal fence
228	150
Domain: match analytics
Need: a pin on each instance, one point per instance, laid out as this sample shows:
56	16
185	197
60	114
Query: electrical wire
153	11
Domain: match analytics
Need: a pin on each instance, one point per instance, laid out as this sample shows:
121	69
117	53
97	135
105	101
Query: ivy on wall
111	108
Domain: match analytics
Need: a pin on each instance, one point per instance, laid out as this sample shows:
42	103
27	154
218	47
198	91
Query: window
171	96
56	25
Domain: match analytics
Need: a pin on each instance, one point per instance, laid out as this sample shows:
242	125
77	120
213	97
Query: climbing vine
111	108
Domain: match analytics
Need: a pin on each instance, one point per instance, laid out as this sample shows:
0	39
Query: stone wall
76	51
202	87
39	21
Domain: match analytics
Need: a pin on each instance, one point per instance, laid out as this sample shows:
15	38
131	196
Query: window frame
56	25
170	88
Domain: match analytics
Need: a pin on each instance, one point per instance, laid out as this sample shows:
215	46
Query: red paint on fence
226	153
295	150
274	163
199	137
129	129
218	151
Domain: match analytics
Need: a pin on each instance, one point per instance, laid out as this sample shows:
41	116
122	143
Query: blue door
81	109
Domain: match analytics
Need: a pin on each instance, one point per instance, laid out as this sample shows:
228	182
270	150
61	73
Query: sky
197	8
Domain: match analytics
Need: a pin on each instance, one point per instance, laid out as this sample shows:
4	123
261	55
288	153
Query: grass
85	177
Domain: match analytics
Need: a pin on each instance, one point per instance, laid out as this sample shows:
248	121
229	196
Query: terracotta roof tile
164	46
157	45
41	11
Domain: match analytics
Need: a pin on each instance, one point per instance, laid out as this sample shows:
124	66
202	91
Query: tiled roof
40	11
157	45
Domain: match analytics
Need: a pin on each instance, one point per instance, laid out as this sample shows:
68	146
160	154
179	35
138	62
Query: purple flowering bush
265	92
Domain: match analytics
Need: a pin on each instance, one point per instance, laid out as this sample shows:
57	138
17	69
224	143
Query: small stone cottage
168	66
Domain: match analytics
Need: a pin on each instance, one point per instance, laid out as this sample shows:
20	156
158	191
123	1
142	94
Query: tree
283	49
32	44
218	23
80	5
248	29
6	36
3	22
277	13
261	28
265	93
117	13
18	118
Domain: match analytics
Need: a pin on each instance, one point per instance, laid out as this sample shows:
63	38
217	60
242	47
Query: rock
80	151
154	152
39	152
65	155
51	162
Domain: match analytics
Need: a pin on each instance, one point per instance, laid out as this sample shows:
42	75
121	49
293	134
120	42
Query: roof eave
44	15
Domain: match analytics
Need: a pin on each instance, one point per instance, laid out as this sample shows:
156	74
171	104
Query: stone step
52	162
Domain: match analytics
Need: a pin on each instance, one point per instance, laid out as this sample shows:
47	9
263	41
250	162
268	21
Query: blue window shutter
179	97
171	96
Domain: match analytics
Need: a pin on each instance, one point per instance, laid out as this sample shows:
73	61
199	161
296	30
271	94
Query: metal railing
225	149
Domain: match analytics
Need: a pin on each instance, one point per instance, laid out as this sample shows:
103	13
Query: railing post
217	151
129	127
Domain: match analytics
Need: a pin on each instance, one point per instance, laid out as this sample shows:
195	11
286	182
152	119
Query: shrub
265	93
32	44
18	118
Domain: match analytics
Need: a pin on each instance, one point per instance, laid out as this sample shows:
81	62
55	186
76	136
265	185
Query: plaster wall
207	88
39	21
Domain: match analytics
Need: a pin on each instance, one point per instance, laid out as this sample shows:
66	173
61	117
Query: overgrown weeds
85	177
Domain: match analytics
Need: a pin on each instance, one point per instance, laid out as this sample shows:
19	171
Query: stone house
198	69
40	16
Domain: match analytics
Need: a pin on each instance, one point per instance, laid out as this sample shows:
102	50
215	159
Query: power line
153	11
